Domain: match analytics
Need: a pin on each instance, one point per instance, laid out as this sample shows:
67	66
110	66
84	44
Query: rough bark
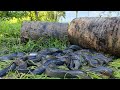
101	34
35	29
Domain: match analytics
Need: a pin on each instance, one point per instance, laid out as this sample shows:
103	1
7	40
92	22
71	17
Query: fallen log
35	29
101	34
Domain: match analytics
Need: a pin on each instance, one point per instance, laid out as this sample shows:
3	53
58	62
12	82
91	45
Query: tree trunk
101	34
36	15
35	30
55	15
31	16
76	14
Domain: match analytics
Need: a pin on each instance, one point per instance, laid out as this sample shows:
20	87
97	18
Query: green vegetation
10	42
51	16
10	24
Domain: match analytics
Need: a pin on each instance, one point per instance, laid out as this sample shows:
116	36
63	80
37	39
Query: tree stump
101	34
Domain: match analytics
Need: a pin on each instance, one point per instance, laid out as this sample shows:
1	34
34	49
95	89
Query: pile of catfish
49	60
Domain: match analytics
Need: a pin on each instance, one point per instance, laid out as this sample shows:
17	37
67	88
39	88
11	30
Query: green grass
10	42
116	67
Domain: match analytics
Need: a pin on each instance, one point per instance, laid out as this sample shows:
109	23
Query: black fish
103	70
42	69
66	73
7	69
74	47
12	56
39	70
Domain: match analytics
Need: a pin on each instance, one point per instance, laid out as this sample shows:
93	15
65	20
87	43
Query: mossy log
35	29
101	34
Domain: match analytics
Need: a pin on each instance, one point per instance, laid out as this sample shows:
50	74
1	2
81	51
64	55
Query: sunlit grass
10	42
4	64
116	67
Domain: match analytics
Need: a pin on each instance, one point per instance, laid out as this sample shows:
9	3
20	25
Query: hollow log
101	34
35	29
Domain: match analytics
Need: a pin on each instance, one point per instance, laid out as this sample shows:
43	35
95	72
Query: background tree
88	13
109	13
52	16
36	14
76	14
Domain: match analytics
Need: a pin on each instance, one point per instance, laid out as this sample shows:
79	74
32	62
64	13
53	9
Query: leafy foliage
116	67
52	16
